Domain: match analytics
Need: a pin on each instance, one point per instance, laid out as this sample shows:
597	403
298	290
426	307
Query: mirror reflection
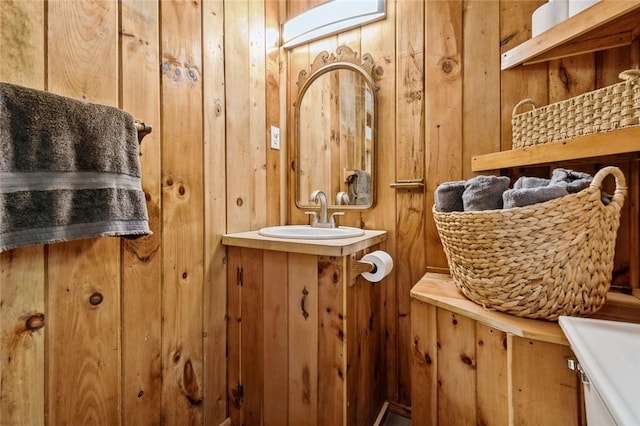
335	123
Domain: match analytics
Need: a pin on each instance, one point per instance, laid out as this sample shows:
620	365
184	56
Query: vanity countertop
332	247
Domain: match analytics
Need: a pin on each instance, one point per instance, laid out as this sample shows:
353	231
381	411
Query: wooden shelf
439	290
621	141
606	24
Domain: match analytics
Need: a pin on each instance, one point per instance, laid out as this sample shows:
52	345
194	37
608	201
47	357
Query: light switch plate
275	137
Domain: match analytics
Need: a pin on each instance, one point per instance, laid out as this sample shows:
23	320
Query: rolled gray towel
448	196
527	196
530	182
571	180
484	192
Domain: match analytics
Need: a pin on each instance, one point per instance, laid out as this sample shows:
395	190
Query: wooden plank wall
211	80
153	351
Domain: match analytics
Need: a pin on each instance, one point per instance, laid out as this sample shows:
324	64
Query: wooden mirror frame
343	59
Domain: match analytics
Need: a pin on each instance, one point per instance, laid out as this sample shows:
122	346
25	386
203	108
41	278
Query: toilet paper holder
372	266
358	267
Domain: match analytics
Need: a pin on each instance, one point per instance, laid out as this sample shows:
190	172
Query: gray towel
448	196
527	196
359	188
571	180
530	182
68	169
484	192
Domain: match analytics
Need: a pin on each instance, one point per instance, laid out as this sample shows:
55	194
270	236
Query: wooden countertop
334	247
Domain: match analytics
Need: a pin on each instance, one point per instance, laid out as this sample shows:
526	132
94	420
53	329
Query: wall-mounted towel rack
143	129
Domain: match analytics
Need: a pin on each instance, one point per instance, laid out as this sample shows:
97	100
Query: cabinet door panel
540	378
491	376
276	358
331	337
303	339
456	369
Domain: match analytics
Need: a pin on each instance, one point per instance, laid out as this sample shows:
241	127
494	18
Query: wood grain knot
191	386
239	201
466	359
448	66
95	299
427	358
193	76
35	322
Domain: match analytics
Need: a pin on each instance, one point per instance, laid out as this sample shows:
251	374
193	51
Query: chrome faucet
320	221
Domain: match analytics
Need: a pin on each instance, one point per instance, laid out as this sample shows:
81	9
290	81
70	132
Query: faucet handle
314	217
333	218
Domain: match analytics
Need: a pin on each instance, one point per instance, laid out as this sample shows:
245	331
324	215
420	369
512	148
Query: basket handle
621	184
629	75
521	103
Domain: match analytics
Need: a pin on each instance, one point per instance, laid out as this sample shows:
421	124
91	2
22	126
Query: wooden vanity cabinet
471	366
305	337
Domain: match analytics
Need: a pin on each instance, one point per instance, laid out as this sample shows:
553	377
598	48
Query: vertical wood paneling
481	58
22	36
251	332
215	206
410	164
239	154
543	380
22	316
303	339
275	191
246	133
142	268
332	368
444	77
424	363
367	367
182	212
234	375
83	339
22	275
491	373
258	142
379	41
456	369
276	343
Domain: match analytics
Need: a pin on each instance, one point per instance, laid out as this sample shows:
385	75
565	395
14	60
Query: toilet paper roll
383	264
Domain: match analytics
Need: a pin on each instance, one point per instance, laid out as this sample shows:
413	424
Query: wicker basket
540	261
609	108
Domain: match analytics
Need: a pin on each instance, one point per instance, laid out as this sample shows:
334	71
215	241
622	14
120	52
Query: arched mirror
335	118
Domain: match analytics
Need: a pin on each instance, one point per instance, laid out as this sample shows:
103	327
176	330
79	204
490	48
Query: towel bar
143	129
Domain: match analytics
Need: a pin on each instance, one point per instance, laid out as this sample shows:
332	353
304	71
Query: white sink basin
306	232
